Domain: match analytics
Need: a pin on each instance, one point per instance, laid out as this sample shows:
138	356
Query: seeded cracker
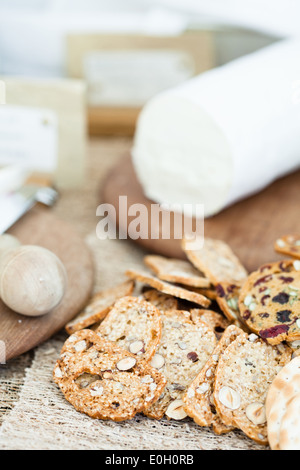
99	306
135	325
244	374
285	386
199	396
214	320
104	381
217	261
160	300
288	245
169	289
177	271
269	302
184	349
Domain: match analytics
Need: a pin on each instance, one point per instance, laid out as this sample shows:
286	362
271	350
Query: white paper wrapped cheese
225	134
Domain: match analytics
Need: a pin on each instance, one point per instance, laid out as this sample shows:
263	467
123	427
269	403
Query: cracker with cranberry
288	245
176	270
269	302
216	260
133	324
170	289
99	306
198	399
105	381
184	348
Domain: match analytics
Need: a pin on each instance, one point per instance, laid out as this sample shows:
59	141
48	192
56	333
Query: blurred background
91	65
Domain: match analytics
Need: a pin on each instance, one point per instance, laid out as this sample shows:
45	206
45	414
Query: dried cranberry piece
284	316
281	298
220	290
246	314
263	279
264	298
193	356
286	279
273	331
284	267
264	315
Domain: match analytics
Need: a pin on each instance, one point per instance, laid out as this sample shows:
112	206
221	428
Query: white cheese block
225	134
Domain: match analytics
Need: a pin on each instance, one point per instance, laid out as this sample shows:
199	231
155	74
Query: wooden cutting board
40	227
250	226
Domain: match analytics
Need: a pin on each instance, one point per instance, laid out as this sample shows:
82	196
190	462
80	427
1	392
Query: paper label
130	78
2	92
28	138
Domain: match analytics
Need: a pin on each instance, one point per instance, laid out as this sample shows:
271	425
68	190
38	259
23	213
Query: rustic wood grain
41	227
250	226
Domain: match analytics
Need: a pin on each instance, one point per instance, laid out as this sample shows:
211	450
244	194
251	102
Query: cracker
284	387
217	261
176	270
228	299
160	300
288	245
99	306
269	302
214	320
244	373
104	381
289	436
199	396
135	325
169	289
184	349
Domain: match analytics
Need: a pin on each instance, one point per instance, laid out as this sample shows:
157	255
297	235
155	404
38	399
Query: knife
14	205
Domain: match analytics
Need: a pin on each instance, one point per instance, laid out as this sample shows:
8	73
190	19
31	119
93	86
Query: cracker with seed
216	260
160	300
214	320
99	306
133	324
169	289
199	396
228	299
243	376
176	271
104	381
183	350
269	301
288	245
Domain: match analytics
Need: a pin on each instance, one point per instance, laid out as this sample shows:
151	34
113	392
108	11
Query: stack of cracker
199	338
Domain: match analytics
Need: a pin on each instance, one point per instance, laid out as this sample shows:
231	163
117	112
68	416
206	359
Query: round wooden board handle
41	227
250	226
